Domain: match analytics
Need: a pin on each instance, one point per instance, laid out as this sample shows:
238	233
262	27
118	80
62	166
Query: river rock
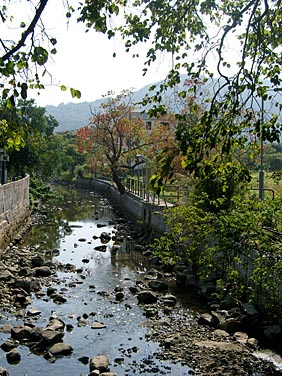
43	271
57	298
9	344
100	363
119	296
37	261
221	346
23	283
105	237
158	286
146	297
60	349
56	324
33	312
21	332
50	337
84	359
231	325
98	325
5	275
241	337
3	372
205	319
169	300
13	356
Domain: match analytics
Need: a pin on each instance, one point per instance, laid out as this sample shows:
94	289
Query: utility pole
261	171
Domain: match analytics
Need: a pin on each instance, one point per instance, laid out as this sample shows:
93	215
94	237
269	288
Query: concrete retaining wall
147	214
14	208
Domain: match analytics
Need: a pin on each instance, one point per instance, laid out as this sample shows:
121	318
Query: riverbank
29	281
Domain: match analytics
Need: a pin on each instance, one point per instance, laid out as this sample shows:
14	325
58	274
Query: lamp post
261	171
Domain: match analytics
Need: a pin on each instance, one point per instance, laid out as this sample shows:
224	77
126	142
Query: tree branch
28	31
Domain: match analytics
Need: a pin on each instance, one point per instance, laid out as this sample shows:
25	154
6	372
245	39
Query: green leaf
63	88
75	93
40	55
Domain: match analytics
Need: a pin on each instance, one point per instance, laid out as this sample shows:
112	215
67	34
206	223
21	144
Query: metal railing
171	194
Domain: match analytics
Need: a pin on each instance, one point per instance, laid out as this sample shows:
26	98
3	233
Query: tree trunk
116	179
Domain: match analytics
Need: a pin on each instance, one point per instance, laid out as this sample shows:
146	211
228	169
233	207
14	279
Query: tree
198	36
37	128
113	136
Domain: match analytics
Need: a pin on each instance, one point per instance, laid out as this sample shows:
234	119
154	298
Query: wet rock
105	237
146	297
13	356
21	332
205	319
43	271
101	248
84	359
6	328
98	325
81	321
169	300
5	275
100	225
231	325
23	283
56	324
9	344
133	289
33	312
60	349
3	372
100	363
119	296
57	298
51	290
158	286
49	337
37	261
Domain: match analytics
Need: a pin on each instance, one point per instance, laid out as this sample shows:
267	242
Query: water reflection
72	234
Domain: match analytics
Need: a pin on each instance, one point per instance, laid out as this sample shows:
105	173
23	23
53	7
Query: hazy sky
85	62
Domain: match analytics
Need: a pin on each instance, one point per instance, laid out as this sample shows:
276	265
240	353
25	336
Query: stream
71	234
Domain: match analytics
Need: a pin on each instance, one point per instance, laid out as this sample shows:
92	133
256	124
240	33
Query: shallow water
69	230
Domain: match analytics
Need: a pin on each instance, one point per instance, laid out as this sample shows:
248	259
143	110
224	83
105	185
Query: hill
72	116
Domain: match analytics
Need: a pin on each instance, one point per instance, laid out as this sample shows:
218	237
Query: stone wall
14	208
145	213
